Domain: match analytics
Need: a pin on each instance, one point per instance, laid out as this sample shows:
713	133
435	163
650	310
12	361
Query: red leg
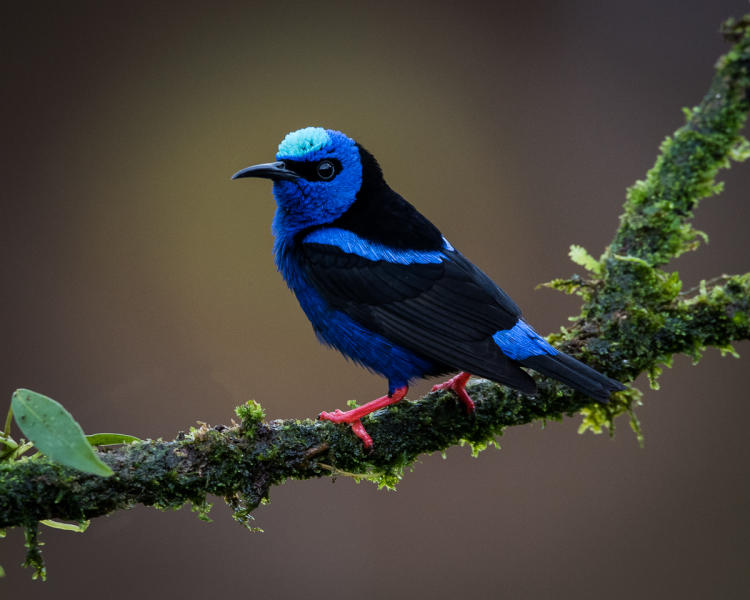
457	385
353	416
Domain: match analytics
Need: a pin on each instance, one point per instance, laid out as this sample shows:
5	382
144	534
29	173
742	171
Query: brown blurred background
140	291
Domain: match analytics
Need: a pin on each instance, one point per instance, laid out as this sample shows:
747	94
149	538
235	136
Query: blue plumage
351	243
381	284
521	342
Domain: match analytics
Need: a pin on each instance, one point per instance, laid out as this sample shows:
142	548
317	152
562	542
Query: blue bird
381	284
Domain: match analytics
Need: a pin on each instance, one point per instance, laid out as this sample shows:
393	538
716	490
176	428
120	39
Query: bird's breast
288	257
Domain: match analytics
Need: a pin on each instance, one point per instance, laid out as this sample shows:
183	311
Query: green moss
479	446
242	512
387	478
598	417
202	507
580	256
34	559
655	225
251	415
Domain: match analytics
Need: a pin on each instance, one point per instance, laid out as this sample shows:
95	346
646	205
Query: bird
381	284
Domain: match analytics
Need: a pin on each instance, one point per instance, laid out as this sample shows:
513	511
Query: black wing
446	312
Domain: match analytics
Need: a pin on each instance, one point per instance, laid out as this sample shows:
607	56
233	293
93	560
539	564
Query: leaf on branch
580	256
55	432
76	527
110	439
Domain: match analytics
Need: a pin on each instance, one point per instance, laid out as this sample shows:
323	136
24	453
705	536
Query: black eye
326	170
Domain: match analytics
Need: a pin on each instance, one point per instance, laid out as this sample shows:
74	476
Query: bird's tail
575	374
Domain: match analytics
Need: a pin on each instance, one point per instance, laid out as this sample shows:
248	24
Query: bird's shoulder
337	247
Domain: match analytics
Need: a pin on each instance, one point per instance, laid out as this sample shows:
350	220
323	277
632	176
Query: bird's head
316	178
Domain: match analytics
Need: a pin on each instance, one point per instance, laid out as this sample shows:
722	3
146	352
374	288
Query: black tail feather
575	374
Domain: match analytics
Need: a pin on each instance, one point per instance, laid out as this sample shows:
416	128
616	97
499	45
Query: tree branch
634	318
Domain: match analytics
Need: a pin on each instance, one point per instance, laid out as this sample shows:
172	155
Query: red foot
457	386
353	416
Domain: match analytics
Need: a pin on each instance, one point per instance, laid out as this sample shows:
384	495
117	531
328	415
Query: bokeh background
139	287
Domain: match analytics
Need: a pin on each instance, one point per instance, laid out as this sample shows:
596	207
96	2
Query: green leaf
8	418
55	432
77	527
108	439
579	256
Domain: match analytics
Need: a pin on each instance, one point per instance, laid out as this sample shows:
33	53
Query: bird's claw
457	385
339	416
354	416
359	430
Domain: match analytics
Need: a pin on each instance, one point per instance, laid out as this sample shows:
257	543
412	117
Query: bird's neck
285	230
286	225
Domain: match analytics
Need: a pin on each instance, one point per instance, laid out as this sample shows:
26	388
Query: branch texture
634	317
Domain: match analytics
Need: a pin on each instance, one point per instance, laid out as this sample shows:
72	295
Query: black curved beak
274	171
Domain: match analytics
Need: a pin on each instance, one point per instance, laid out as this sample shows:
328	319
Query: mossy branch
634	317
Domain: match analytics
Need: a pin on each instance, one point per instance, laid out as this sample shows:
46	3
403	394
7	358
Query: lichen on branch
634	318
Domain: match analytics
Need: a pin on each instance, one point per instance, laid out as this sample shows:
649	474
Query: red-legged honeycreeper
381	284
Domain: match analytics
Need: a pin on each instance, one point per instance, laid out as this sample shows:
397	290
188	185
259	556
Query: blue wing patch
521	342
351	243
